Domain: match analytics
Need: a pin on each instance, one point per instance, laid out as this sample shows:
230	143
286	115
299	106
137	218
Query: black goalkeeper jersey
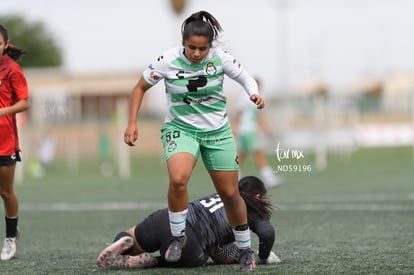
209	220
206	227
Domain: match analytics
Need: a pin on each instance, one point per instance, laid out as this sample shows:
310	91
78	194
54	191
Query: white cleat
9	247
110	254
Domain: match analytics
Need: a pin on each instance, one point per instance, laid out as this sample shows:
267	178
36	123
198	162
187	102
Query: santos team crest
171	146
211	69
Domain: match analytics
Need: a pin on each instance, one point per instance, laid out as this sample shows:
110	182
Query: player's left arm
266	234
250	86
18	84
20	106
234	70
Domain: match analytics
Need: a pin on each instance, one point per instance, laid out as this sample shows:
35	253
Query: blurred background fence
85	117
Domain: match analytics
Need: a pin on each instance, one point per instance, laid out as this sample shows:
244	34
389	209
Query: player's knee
5	194
229	199
178	183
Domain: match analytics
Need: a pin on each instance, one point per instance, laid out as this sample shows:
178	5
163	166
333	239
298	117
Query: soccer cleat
173	253
246	260
142	260
109	254
272	259
9	247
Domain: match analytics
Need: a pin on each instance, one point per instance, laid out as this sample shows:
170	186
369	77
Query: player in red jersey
14	98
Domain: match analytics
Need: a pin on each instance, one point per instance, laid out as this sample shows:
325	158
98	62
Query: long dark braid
258	204
257	208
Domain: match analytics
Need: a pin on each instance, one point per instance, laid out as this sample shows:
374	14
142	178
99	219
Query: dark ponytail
201	23
257	207
12	51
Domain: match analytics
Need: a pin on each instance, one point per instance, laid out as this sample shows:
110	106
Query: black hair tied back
12	51
201	23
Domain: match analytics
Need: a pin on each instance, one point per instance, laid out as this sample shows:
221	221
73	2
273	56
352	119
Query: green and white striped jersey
194	91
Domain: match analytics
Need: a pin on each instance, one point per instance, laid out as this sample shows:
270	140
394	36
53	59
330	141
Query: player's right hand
131	134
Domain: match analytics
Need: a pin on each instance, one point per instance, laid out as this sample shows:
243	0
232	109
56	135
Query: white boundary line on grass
347	206
112	206
103	206
362	198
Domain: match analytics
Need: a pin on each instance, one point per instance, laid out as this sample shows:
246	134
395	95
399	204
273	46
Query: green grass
355	217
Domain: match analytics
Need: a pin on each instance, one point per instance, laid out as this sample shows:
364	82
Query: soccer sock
177	222
242	236
124	234
11	227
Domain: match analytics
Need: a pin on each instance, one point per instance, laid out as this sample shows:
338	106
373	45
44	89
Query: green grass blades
354	217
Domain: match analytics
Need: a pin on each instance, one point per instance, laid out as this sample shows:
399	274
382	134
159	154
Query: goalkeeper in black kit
209	234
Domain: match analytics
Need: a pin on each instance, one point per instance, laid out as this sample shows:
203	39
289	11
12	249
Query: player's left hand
258	100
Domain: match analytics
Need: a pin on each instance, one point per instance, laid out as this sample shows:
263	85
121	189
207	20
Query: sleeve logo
154	75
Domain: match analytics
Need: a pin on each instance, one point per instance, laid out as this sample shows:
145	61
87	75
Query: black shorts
10	160
154	234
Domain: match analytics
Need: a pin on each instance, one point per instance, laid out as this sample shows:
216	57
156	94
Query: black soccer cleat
246	260
173	253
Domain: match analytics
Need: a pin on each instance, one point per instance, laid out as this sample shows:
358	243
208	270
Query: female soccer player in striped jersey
196	124
14	98
209	234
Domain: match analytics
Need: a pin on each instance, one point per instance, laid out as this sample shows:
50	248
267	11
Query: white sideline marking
350	207
111	206
84	206
357	198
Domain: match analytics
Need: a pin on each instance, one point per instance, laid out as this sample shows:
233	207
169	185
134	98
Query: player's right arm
151	76
131	132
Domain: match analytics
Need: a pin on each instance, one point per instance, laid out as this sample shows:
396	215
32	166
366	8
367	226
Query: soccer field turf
355	217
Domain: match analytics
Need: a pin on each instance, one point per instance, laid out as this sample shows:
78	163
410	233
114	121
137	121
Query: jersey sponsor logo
194	84
200	100
181	74
211	69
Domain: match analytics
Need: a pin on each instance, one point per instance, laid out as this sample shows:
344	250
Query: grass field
355	217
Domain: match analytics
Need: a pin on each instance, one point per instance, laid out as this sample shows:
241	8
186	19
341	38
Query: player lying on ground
208	230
